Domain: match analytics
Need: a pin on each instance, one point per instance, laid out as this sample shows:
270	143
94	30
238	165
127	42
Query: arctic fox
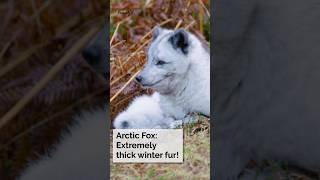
144	112
178	68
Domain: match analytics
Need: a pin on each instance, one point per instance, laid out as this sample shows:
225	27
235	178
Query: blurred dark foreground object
266	84
28	53
96	53
81	154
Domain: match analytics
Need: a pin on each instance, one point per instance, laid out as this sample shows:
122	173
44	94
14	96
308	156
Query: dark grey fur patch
180	40
125	124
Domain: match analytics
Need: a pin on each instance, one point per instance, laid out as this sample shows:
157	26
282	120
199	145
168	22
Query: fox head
169	58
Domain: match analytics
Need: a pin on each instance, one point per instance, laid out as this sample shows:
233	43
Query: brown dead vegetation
43	77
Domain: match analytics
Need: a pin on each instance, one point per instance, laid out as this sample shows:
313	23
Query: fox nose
139	79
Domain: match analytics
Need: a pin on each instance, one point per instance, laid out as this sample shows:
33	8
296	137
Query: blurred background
35	35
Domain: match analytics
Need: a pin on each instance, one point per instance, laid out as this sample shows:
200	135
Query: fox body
178	67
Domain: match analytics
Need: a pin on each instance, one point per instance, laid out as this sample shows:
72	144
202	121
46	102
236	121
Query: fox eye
160	62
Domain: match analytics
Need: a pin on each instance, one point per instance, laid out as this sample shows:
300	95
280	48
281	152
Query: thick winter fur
266	85
80	155
144	112
178	68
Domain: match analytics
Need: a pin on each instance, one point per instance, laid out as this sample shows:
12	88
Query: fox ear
156	32
180	40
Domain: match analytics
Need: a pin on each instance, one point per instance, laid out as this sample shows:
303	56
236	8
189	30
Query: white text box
148	145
